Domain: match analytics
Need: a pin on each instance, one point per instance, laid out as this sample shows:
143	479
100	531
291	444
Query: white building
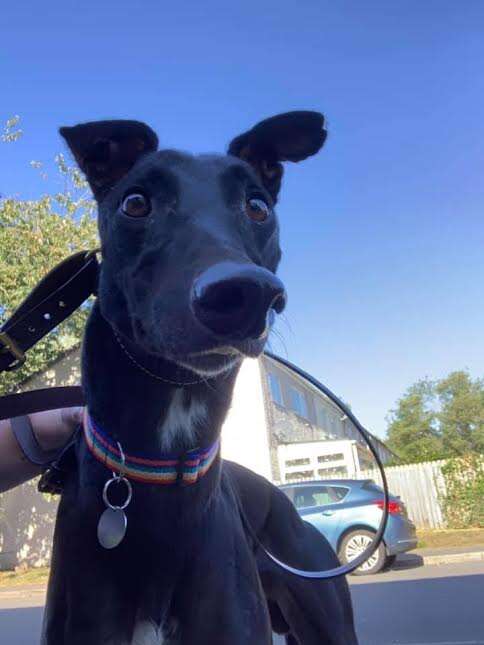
285	429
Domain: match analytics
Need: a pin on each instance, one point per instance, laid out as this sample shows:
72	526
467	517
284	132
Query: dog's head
190	244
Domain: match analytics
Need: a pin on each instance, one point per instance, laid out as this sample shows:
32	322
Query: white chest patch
147	633
181	420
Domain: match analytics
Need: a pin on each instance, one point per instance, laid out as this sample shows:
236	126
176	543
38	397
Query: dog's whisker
278	334
285	320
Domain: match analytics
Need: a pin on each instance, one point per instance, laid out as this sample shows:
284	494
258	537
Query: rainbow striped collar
170	470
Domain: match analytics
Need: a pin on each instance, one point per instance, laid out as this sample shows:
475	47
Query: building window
352	431
321	417
336	471
304	461
339	425
334	425
298	402
275	388
337	456
300	474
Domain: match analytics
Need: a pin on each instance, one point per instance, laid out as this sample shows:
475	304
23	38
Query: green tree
439	419
412	427
34	236
461	415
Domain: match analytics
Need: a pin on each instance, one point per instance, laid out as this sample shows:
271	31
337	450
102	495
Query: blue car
347	512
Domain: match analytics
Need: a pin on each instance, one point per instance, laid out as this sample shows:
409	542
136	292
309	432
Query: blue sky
382	232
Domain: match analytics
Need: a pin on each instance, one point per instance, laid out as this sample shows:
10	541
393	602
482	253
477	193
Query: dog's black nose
236	301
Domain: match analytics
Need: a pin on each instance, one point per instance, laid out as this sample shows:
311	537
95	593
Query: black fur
186	571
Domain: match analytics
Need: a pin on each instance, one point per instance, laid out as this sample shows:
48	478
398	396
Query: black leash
55	298
51	398
61	292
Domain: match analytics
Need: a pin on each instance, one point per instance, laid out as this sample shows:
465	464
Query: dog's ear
292	136
106	150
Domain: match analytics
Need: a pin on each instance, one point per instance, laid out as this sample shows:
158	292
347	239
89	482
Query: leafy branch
34	236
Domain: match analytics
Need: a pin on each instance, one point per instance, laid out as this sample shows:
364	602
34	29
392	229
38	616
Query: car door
320	504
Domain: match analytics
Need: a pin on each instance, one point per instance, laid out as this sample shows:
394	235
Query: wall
245	437
26	517
26	526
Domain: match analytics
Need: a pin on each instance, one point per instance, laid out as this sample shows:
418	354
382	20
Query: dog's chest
146	632
181	419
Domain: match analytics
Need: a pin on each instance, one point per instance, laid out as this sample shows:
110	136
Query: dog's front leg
222	601
87	608
227	609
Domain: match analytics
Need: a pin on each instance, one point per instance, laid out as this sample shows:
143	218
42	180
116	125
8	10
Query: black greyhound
187	288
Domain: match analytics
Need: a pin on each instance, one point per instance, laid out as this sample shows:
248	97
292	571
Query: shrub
463	504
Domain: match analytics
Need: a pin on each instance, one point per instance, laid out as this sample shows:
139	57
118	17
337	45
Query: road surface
438	605
432	605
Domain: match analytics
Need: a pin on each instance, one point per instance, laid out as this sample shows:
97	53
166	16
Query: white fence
420	486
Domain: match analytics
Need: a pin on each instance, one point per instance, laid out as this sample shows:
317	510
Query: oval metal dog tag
111	527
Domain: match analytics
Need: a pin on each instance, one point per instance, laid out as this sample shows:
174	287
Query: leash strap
24	433
54	477
51	398
54	299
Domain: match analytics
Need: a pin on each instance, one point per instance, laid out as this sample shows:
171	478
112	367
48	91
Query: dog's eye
257	210
136	205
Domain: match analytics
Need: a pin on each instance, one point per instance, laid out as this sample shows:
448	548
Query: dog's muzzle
237	301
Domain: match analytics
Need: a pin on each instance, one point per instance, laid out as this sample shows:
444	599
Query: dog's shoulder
262	501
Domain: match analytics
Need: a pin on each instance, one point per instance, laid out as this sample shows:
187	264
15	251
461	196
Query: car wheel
354	544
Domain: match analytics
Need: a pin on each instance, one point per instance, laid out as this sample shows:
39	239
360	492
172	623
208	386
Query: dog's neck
145	414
